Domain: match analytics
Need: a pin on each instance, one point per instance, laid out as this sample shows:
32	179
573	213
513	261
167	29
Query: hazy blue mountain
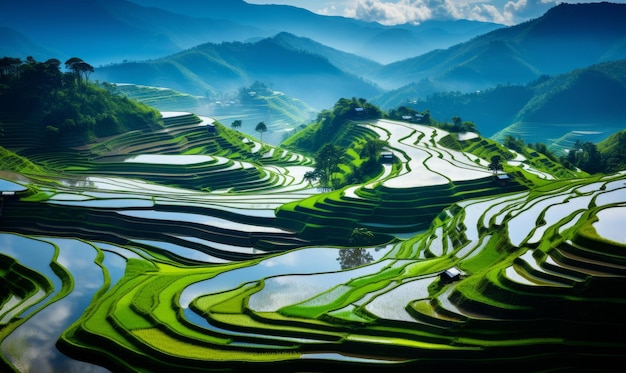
211	68
85	29
15	44
104	31
347	62
567	37
407	41
585	104
368	39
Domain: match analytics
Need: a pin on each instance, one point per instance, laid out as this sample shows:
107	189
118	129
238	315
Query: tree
79	68
373	148
9	66
357	256
361	237
236	124
354	257
261	128
457	122
495	164
85	70
327	161
310	176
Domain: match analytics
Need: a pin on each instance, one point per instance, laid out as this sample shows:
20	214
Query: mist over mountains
106	31
213	48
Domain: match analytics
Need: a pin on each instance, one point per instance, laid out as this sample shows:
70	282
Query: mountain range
210	48
567	37
107	31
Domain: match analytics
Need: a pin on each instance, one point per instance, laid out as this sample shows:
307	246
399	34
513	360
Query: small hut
450	275
503	179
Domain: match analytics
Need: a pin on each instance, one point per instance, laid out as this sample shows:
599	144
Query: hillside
196	248
367	39
583	104
210	69
613	148
567	37
40	106
282	114
119	30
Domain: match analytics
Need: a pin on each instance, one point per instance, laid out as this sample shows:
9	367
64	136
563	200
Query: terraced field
189	250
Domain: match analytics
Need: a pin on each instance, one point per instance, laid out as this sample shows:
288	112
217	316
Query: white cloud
392	12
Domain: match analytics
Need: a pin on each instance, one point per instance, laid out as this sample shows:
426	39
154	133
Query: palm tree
236	124
260	128
310	176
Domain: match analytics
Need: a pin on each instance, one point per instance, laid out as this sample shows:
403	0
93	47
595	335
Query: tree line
64	104
585	156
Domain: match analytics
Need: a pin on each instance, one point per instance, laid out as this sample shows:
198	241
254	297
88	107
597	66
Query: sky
393	12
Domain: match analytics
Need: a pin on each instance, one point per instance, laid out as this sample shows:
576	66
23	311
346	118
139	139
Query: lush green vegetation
232	261
549	107
64	108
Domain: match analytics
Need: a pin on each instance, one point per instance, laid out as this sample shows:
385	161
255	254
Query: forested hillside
40	103
588	102
213	69
567	37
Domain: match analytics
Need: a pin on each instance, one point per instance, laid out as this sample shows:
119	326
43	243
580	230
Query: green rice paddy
213	254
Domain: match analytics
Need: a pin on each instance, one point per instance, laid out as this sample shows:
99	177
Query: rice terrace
148	227
174	250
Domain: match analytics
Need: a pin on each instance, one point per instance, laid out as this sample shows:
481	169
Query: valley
220	186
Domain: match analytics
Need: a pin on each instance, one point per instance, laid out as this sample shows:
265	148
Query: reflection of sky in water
33	254
612	196
311	260
31	347
340	357
9	186
285	290
556	212
223	246
171	159
111	203
200	219
610	224
182	251
521	225
115	265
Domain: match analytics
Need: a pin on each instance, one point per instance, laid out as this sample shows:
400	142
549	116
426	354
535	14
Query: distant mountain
106	31
213	68
347	62
406	41
568	36
86	29
367	39
585	104
14	43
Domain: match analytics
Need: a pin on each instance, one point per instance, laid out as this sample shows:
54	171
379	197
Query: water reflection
304	261
34	254
354	257
31	347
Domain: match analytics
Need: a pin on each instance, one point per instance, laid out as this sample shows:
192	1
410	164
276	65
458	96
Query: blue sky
392	12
